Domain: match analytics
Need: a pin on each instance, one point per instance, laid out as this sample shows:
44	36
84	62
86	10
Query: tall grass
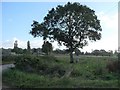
88	72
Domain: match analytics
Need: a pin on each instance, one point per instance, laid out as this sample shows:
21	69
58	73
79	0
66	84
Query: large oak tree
71	25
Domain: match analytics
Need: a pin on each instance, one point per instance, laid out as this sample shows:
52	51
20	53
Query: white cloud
108	21
7	44
56	46
23	43
107	44
36	43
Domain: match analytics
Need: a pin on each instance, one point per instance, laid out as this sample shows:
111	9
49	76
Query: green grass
22	79
88	72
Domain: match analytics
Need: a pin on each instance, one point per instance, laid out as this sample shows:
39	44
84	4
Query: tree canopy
71	25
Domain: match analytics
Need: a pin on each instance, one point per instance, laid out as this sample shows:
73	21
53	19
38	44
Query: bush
108	77
40	64
26	62
8	59
113	66
49	58
99	70
76	73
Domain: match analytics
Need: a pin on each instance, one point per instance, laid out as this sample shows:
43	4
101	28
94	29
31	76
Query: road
7	66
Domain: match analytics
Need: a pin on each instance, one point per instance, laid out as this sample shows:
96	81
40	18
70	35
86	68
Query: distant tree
71	25
102	52
6	52
20	51
86	53
115	53
96	52
28	46
24	51
15	49
34	50
47	47
15	44
59	51
110	52
82	53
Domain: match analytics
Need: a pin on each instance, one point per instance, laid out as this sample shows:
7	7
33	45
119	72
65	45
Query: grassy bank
19	79
89	72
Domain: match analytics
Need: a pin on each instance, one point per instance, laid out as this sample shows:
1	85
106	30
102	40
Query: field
89	72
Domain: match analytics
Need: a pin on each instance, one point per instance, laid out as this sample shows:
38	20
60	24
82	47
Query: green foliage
21	79
113	66
17	50
47	47
40	64
26	62
25	51
102	52
28	46
99	71
58	51
49	71
71	25
24	80
8	59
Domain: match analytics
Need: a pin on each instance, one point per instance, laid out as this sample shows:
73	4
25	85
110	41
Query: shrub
99	70
26	62
76	73
113	66
108	77
57	69
41	65
52	70
49	58
8	59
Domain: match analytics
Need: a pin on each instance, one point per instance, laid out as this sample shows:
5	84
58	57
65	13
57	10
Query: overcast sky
17	18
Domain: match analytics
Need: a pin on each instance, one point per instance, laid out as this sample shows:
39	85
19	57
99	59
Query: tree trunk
71	57
71	54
